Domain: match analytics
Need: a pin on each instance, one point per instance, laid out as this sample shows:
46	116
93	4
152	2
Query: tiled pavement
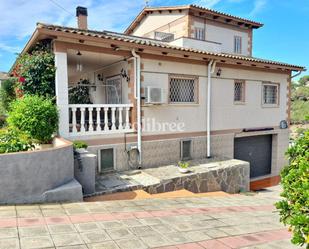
181	223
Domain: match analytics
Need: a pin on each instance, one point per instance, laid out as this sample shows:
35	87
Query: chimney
81	14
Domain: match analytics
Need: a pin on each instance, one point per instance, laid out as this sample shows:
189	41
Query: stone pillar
62	93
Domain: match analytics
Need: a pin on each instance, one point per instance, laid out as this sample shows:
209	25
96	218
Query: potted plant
183	167
80	146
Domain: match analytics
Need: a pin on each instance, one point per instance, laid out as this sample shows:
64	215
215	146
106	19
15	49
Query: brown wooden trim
61	46
265	183
171	51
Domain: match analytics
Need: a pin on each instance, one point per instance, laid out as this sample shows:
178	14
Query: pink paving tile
163	213
273	235
57	220
236	242
24	222
213	244
103	217
123	216
81	218
190	246
8	222
166	247
142	214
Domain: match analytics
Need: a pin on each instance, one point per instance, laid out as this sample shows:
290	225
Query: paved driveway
186	223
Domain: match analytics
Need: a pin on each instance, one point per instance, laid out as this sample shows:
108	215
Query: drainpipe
137	95
210	71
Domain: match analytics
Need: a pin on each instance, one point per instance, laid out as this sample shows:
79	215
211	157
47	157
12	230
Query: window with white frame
182	89
237	44
239	91
199	33
270	94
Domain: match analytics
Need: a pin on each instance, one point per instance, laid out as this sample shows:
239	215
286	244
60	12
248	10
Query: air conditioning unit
153	95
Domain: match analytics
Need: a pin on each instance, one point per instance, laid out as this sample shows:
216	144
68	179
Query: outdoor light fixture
100	77
79	65
124	74
219	72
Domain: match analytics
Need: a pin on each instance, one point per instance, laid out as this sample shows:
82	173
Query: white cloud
11	49
257	7
208	3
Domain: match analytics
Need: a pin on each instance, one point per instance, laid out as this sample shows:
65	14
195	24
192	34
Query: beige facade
146	57
225	114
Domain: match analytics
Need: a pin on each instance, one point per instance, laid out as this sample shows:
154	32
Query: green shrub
36	73
36	116
80	93
80	145
7	93
14	141
294	208
299	110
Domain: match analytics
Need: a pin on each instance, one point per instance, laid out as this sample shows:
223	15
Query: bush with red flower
35	72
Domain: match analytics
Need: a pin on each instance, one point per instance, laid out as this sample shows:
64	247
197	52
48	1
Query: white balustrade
100	119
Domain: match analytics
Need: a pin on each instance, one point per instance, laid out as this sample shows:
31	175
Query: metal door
256	150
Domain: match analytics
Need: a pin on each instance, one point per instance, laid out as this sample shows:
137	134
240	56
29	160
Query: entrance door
256	150
113	90
106	160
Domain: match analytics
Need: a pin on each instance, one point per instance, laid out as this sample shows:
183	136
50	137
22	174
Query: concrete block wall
163	152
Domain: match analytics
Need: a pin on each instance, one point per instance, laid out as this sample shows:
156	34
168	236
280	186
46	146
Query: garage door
257	151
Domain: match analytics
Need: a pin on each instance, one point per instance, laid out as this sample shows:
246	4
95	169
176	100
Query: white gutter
137	95
210	71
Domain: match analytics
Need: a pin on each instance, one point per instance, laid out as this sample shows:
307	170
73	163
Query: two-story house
180	83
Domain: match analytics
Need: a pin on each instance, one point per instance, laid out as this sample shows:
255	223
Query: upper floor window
199	33
270	94
183	89
239	91
237	44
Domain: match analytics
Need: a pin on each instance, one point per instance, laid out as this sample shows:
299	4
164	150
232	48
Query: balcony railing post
90	109
113	118
98	128
82	120
120	109
74	128
127	125
106	119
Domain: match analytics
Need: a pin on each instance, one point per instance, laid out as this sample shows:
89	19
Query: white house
180	83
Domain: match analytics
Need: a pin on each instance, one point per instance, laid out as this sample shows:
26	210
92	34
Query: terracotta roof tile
155	43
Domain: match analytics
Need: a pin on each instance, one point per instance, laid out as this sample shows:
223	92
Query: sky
284	37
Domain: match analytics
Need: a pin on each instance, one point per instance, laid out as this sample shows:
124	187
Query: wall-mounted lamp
79	65
219	72
124	74
100	77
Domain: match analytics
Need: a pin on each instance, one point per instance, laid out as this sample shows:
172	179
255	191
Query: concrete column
62	93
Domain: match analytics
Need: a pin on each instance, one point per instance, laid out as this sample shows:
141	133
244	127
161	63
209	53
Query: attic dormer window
199	33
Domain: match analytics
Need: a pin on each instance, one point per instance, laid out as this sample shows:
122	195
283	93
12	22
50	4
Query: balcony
187	42
96	119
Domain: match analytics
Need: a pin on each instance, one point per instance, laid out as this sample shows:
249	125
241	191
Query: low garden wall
39	176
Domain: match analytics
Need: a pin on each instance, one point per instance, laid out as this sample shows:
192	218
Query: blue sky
284	37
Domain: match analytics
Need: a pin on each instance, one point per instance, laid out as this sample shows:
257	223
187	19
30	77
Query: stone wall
231	176
163	152
39	176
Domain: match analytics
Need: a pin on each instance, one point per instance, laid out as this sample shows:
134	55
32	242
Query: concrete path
178	223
